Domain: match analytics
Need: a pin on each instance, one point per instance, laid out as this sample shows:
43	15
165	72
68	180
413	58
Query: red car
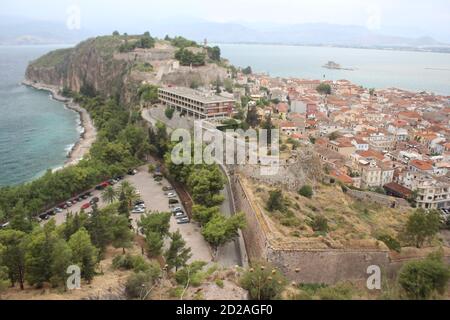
86	206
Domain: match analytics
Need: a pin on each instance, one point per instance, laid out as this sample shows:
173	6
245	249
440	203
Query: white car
180	215
177	209
171	195
138	210
140	206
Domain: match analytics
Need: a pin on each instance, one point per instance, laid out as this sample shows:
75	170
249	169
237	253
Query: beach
89	133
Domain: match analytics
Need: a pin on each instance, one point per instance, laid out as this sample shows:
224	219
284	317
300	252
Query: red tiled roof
422	165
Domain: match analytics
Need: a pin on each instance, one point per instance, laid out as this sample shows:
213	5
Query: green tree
214	53
306	191
187	57
276	201
21	219
116	33
154	242
203	214
13	244
40	253
247	70
129	193
177	255
123	208
158	222
122	234
422	226
169	113
85	254
252	117
424	279
149	93
61	260
221	230
100	228
263	282
205	183
109	195
324	89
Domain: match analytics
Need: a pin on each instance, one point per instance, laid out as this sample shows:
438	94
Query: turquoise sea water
416	71
35	131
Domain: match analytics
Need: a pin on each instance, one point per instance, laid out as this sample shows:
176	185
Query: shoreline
89	132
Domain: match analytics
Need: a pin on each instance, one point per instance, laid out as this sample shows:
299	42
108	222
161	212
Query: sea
409	70
36	132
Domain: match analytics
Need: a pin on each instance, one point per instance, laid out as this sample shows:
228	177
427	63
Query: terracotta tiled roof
422	165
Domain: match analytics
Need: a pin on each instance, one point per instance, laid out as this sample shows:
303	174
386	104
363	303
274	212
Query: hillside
101	65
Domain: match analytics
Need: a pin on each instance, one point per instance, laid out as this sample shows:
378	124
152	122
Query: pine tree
85	254
177	255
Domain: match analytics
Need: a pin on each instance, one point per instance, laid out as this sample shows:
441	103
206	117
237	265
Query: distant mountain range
23	31
298	34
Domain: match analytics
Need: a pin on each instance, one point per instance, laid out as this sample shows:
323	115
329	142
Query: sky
403	17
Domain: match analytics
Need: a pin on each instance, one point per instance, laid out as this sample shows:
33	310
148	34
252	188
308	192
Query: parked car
69	204
85	196
138	210
173	201
51	213
86	206
138	202
177	209
44	216
94	200
74	201
142	205
58	210
171	195
167	188
184	220
132	172
180	215
5	225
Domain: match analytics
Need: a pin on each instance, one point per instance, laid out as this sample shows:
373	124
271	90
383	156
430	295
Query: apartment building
196	103
432	192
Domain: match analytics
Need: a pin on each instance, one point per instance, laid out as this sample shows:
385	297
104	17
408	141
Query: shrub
341	291
263	283
191	273
169	113
424	279
390	242
135	263
306	191
276	201
219	283
137	285
319	224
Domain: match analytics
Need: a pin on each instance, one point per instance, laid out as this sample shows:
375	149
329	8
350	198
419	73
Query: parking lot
156	200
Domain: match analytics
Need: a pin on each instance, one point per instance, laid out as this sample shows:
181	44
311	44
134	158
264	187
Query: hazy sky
405	16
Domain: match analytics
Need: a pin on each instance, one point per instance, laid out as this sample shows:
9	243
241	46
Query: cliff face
89	66
96	65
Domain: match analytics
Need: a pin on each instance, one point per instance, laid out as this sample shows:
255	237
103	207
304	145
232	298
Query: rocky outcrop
97	66
88	67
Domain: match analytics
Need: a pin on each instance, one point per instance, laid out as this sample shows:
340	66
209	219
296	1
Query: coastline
89	132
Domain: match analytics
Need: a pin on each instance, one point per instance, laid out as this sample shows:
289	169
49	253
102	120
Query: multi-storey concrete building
196	103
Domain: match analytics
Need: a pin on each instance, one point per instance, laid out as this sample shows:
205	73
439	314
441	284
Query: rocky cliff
97	66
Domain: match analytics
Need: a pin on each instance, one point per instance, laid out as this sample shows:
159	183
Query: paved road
155	200
230	254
